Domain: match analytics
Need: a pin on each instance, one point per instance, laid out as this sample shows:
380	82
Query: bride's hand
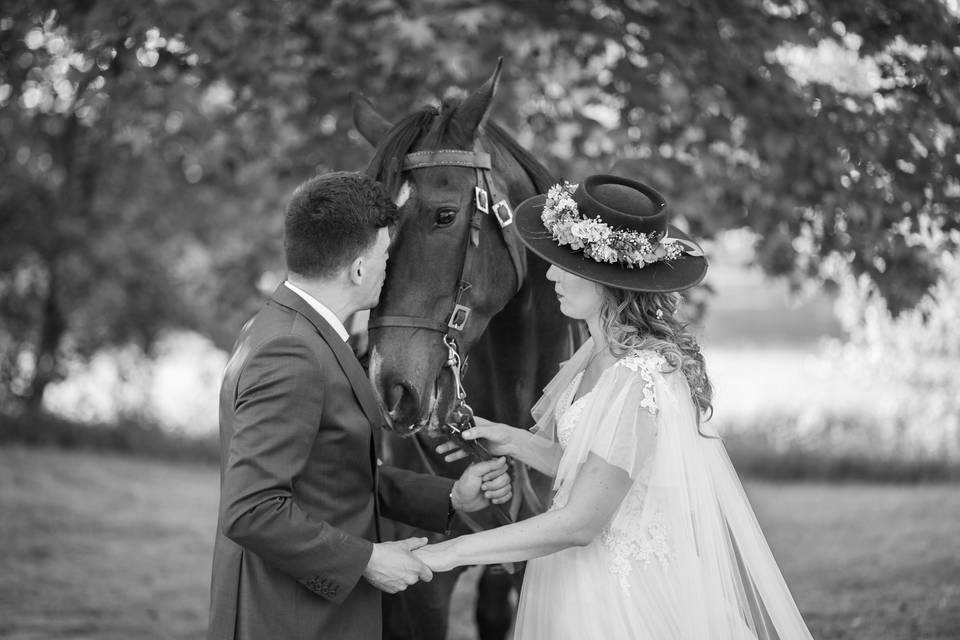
500	439
438	557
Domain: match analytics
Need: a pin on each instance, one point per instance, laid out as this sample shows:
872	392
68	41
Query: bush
129	436
916	353
834	446
882	404
893	412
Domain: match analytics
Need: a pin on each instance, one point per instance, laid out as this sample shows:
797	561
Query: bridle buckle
481	199
459	317
503	213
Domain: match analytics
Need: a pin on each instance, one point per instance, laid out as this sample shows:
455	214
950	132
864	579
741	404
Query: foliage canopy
147	149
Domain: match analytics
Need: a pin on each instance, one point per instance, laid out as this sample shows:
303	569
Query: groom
298	551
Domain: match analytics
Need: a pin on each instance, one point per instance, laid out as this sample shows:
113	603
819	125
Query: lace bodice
569	412
637	532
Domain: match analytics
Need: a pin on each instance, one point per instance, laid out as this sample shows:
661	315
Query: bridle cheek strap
504	216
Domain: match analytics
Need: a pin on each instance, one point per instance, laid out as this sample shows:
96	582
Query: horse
460	289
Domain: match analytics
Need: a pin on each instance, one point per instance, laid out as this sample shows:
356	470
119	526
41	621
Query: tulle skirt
574	594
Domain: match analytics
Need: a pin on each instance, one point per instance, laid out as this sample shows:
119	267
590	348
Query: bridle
484	192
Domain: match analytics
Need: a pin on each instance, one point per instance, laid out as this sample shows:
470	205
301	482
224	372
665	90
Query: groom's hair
331	219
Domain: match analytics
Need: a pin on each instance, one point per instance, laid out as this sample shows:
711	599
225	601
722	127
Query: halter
483	193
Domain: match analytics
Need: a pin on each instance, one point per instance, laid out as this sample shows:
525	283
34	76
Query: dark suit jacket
301	491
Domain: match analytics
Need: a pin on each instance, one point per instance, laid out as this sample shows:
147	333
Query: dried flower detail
598	240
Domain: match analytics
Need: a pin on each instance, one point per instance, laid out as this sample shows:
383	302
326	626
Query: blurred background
146	151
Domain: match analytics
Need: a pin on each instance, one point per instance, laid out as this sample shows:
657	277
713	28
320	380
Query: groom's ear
355	270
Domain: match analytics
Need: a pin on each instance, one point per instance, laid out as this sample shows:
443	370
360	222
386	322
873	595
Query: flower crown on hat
601	242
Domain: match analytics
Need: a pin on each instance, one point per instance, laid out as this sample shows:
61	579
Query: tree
106	122
147	152
705	96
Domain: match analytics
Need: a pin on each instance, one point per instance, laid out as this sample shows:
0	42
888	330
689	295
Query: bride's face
580	298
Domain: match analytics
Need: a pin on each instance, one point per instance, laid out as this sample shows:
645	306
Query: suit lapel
341	350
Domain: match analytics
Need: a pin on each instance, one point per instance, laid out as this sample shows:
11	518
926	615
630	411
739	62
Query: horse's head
440	242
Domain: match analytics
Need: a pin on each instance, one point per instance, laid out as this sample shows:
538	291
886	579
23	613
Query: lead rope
463	419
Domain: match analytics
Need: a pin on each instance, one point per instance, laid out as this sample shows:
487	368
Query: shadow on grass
800	465
134	437
753	455
764	461
841	446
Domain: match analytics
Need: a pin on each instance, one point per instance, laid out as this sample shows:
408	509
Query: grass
99	546
107	547
867	561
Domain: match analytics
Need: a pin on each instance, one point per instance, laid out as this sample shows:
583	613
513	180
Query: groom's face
375	268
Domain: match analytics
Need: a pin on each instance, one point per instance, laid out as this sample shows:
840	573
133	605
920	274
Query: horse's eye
445	217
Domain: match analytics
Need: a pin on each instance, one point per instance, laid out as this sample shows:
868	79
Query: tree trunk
51	331
74	199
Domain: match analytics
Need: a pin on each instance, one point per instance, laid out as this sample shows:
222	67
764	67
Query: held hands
439	557
498	438
481	484
393	567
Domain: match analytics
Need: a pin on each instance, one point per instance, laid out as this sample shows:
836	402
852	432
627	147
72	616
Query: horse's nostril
403	403
395	396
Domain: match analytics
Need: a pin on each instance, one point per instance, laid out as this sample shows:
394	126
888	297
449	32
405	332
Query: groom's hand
392	567
481	484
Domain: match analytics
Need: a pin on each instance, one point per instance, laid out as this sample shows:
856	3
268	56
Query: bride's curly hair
639	320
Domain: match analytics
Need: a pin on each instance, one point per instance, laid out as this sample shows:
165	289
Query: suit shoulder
279	331
291	331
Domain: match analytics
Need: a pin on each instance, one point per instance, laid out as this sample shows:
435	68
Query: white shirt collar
320	308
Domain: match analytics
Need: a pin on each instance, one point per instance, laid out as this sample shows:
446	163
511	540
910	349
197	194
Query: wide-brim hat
626	207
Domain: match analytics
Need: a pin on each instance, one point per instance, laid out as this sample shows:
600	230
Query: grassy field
112	548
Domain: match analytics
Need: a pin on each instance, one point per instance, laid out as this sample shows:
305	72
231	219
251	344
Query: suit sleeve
418	499
277	413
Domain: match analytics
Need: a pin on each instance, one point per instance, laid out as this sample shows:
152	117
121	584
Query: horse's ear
473	112
369	123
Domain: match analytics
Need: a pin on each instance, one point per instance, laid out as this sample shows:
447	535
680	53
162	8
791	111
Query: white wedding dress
683	557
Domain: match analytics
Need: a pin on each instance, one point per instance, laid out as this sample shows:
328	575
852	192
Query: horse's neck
520	351
523	345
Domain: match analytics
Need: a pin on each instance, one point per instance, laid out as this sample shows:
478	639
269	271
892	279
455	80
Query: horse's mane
539	175
385	166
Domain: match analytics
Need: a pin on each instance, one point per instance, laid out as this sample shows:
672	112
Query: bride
649	533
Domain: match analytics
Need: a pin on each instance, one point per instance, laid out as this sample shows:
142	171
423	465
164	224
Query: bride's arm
504	440
594	498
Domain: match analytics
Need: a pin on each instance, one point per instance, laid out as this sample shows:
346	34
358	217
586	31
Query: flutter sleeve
544	412
619	420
